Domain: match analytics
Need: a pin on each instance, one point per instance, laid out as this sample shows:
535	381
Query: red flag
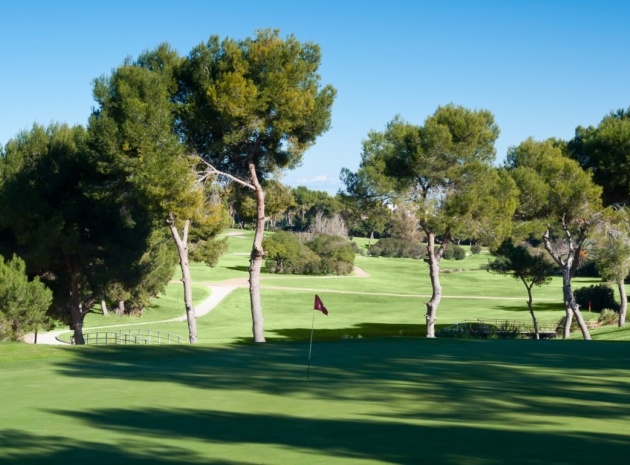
319	305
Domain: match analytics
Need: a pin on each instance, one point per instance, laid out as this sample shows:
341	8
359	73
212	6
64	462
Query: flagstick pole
310	347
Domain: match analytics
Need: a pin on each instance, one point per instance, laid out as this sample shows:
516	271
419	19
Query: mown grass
377	392
366	401
389	302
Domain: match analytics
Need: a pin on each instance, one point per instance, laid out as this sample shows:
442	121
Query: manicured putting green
367	401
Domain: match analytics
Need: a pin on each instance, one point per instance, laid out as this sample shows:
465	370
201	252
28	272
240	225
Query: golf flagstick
319	305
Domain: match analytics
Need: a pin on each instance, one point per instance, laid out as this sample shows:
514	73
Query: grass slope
368	401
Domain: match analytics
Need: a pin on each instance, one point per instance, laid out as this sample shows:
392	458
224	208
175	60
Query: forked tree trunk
184	264
624	304
567	266
256	258
436	296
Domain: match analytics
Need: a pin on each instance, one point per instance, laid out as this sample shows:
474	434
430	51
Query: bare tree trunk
182	250
624	304
104	306
436	297
120	309
530	305
256	258
572	306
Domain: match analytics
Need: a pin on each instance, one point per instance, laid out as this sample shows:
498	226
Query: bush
449	253
608	317
336	253
475	249
600	296
453	252
458	253
400	248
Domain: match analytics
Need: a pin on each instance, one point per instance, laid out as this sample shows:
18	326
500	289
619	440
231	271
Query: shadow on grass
374	439
20	447
539	307
438	401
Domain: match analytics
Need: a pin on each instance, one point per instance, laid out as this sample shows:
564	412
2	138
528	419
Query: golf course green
377	392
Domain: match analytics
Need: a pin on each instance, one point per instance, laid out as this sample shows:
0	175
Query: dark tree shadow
489	398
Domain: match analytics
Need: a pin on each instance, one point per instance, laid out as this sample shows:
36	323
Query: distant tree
519	262
560	203
23	302
251	108
443	170
605	151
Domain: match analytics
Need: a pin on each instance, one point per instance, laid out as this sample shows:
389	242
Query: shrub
608	317
475	249
458	253
400	248
600	296
336	253
449	253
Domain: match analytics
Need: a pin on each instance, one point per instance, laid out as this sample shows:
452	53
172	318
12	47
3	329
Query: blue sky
541	67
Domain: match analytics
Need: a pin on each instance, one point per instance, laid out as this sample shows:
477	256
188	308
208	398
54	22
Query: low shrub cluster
324	254
475	249
399	248
454	252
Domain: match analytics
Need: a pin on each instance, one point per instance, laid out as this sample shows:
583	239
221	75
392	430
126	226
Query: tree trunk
530	305
182	249
568	266
624	304
256	258
436	297
120	309
572	307
104	306
76	310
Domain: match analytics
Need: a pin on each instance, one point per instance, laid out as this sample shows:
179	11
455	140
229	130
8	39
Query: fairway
379	401
378	392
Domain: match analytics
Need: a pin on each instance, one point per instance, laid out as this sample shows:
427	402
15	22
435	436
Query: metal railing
132	336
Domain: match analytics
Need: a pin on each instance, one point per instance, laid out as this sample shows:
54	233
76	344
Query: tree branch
210	170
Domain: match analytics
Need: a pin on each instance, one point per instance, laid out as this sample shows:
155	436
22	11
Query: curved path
218	292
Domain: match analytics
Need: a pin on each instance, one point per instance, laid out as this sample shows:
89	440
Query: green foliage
23	302
603	150
551	185
325	254
523	263
476	248
285	253
256	100
599	297
337	254
458	252
393	247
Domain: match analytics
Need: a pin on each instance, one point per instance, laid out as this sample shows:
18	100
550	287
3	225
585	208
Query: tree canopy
250	108
442	171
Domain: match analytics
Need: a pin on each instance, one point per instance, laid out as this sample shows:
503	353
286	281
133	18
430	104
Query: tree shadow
21	447
238	268
539	307
376	439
